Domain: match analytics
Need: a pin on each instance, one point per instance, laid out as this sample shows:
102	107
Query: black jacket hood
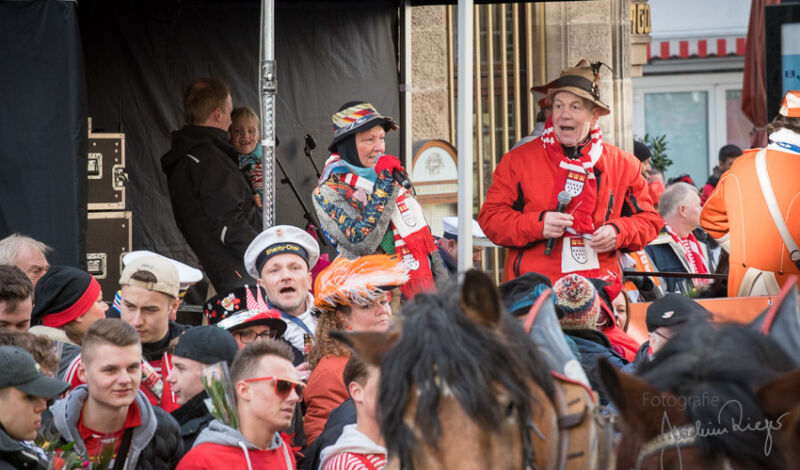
189	137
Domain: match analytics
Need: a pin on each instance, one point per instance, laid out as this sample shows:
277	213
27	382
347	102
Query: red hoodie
623	344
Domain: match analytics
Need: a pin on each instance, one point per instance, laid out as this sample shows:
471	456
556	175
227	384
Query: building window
699	113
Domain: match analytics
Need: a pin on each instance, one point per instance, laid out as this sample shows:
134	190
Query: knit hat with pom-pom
577	299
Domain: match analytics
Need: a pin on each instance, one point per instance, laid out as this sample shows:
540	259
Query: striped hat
577	299
357	116
790	105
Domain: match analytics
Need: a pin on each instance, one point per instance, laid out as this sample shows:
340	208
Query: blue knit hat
578	301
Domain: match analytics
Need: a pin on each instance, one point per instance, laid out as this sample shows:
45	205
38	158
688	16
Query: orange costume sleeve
737	217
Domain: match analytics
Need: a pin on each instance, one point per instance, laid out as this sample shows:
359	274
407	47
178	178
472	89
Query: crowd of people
129	387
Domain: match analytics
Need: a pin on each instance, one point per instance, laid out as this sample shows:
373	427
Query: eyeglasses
283	387
656	333
247	337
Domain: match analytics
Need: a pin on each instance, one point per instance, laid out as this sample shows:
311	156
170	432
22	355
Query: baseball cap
167	280
674	309
19	370
187	275
206	345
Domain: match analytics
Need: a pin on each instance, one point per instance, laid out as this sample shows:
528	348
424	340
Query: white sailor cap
278	240
187	275
479	238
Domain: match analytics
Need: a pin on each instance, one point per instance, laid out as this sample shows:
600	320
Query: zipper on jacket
610	207
517	263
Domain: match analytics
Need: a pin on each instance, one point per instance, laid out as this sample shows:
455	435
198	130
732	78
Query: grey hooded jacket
155	444
219	433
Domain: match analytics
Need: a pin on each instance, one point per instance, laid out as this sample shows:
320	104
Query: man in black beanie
196	348
665	318
642	152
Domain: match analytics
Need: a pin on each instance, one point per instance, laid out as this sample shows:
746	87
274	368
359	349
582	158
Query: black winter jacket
192	417
156	444
593	345
212	200
16	455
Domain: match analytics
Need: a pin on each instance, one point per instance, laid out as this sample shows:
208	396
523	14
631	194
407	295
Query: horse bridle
675	438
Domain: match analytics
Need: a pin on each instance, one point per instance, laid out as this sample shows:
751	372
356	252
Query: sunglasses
283	387
248	337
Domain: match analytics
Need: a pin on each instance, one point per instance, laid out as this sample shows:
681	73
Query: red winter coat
522	191
325	391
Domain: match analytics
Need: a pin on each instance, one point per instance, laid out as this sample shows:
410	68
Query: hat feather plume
357	281
596	66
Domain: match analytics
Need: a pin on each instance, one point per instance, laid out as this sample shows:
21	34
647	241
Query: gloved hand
388	163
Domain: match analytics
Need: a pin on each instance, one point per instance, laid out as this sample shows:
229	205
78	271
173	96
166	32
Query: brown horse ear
781	395
480	299
643	407
370	346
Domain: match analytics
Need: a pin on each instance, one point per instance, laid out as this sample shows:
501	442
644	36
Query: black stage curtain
141	55
43	126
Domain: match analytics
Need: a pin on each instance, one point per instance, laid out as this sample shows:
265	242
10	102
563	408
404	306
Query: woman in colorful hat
578	303
608	205
361	206
352	295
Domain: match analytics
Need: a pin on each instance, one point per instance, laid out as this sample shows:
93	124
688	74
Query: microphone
310	144
402	180
564	198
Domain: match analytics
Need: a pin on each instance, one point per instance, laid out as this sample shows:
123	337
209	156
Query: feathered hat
357	281
582	80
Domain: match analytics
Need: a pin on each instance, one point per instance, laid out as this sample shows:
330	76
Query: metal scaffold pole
464	133
269	88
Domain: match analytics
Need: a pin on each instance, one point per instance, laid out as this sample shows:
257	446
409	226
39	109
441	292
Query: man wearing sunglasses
267	389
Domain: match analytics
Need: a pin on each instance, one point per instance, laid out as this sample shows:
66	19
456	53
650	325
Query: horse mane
442	352
710	367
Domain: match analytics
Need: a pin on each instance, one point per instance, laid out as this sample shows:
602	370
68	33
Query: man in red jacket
610	207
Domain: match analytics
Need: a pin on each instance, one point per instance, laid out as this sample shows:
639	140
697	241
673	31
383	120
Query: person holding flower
267	389
109	418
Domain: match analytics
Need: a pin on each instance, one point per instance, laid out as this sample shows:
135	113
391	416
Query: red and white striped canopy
696	47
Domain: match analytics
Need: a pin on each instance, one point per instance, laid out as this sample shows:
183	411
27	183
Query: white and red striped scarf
413	240
582	205
693	254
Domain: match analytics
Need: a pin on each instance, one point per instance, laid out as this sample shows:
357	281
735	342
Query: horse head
647	413
462	386
695	405
780	400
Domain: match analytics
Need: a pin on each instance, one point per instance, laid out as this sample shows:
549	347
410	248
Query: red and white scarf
693	255
413	240
576	176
